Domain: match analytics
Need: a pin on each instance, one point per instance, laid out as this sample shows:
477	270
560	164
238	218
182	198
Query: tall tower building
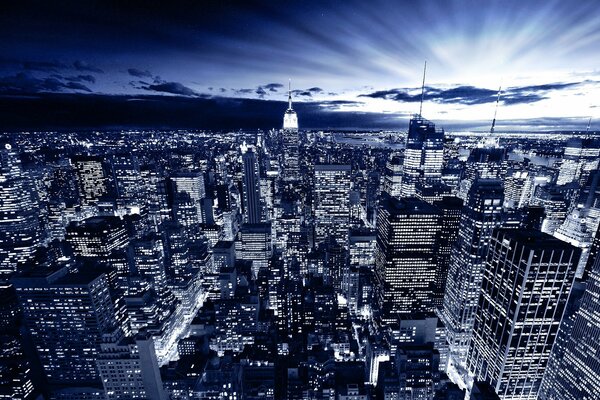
332	202
127	178
91	178
480	216
451	212
423	156
68	315
252	207
486	161
577	373
19	223
570	169
290	142
392	181
191	183
525	287
409	238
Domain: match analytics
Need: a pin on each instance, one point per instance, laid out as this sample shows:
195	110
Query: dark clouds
138	73
25	83
471	95
272	87
81	78
84	66
171	88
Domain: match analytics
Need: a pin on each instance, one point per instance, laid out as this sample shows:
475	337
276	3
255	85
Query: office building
252	204
423	156
332	202
526	283
481	214
19	219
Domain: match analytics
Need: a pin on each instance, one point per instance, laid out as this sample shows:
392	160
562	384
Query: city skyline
162	239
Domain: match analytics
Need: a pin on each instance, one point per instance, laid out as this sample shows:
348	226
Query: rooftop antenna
496	110
290	94
422	90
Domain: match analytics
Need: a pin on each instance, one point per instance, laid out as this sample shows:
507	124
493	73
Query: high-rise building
148	258
254	244
423	156
525	287
252	205
406	259
332	202
68	315
570	168
97	236
480	216
576	376
91	178
19	220
392	183
16	375
127	178
290	141
192	184
129	370
451	212
486	161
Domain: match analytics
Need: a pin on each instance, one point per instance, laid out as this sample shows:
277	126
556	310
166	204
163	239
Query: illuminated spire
290	95
290	119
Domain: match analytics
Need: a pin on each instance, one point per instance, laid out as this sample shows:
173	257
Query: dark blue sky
354	63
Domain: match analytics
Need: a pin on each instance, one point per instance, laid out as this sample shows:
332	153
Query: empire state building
290	142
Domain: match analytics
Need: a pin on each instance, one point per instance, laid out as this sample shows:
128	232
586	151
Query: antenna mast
290	94
496	110
422	90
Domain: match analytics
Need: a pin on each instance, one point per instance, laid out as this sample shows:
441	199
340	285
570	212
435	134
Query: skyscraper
252	207
486	161
423	156
290	142
392	183
127	178
191	183
570	168
577	374
91	178
19	223
68	315
525	287
480	216
332	202
96	236
406	257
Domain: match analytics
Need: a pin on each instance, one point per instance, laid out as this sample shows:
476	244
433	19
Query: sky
352	64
